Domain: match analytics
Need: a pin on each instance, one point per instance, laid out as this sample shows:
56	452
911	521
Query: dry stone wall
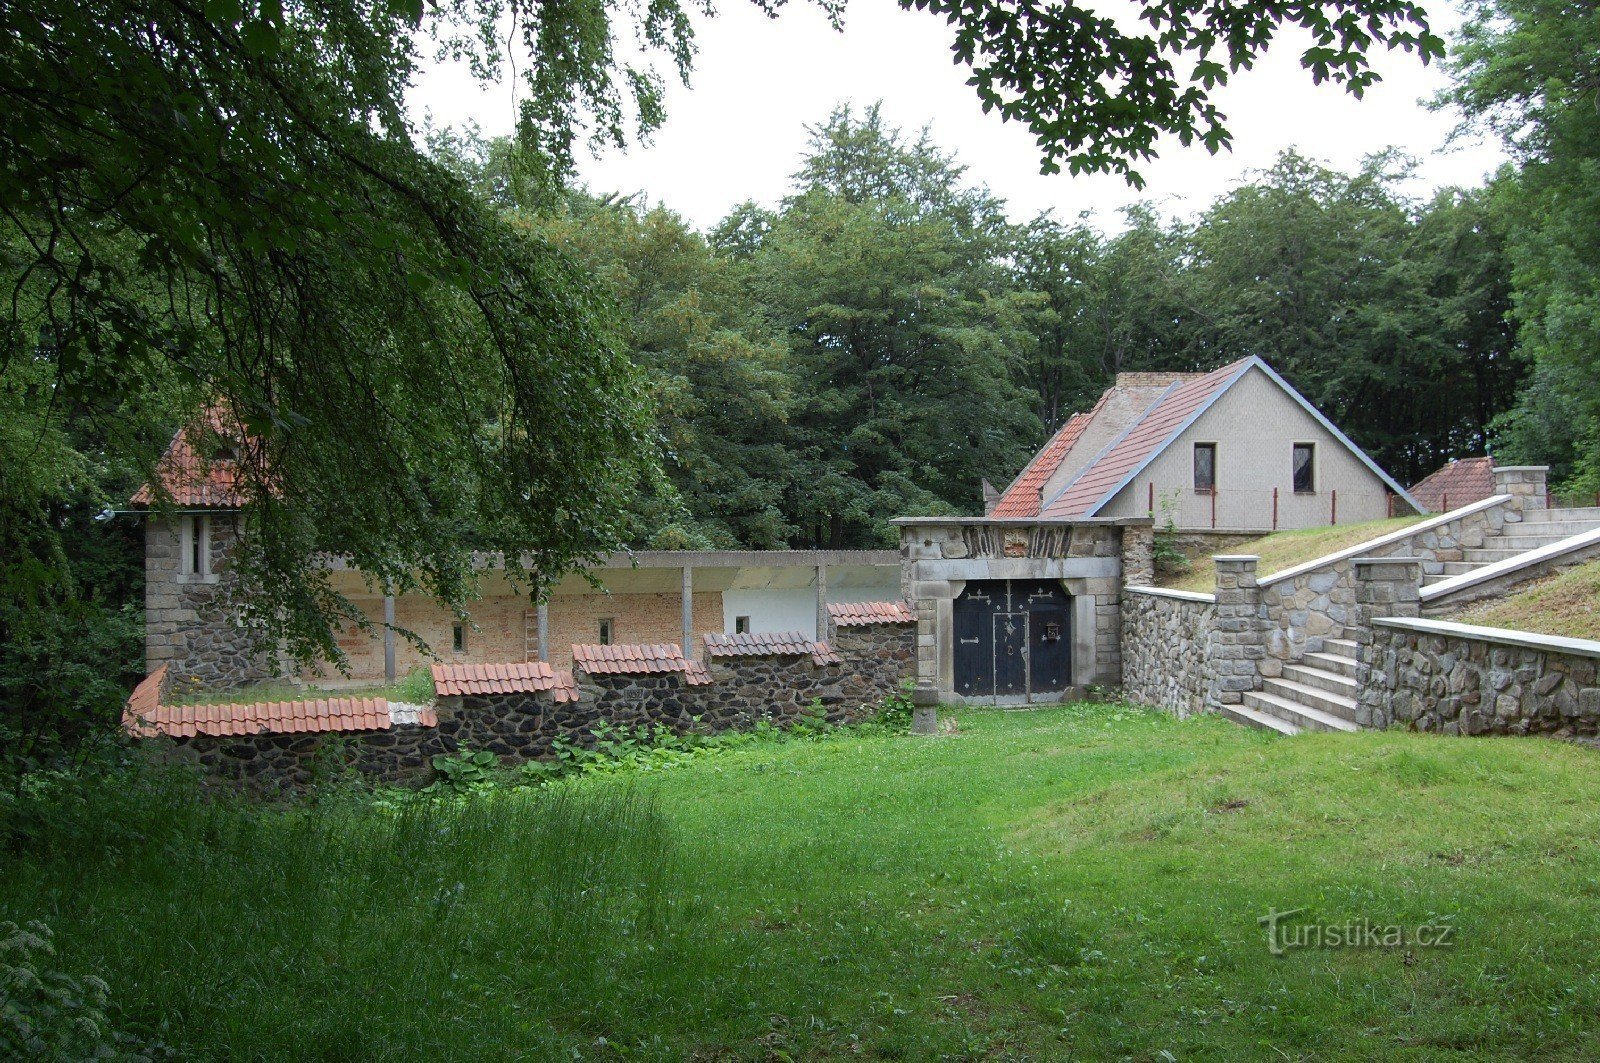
1166	637
1427	675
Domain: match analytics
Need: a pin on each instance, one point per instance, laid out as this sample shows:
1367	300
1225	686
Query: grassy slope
1567	604
1079	881
1286	549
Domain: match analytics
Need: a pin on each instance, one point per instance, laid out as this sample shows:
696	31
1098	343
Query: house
1462	481
649	597
1236	450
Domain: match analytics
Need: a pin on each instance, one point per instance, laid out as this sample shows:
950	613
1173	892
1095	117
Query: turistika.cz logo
1285	932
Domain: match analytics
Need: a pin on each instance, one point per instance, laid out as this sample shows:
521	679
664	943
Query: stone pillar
1385	586
543	612
822	602
688	612
1139	555
1525	484
388	638
1237	642
924	709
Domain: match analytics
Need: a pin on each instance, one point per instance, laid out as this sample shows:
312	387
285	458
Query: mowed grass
1080	882
1566	604
1286	549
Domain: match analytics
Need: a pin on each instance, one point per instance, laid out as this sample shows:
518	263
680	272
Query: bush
49	1014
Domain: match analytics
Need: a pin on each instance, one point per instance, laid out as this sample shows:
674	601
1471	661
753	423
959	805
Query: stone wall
1165	640
187	623
518	727
1307	604
1429	675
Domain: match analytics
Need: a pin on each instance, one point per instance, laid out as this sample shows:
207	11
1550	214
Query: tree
883	270
1529	72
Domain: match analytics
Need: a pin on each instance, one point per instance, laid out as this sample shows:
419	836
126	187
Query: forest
552	372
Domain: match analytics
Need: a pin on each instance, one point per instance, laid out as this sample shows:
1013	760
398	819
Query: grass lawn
1074	882
1566	604
415	687
1286	549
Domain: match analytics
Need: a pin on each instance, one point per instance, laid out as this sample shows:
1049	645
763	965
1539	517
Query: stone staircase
1317	693
1540	527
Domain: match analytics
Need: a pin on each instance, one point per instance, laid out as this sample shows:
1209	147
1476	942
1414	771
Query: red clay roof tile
453	680
770	644
1021	499
861	614
262	717
1455	485
627	659
189	476
1082	496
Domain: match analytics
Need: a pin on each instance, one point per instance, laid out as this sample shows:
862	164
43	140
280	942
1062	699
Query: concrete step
1243	714
1455	568
1297	714
1326	700
1346	648
1487	556
1312	676
1332	662
1520	543
1558	529
1535	516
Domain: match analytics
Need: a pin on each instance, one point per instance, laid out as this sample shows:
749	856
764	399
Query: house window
458	638
1305	479
1205	467
741	625
608	628
195	544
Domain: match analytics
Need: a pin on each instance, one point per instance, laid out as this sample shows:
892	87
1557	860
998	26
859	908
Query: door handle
969	642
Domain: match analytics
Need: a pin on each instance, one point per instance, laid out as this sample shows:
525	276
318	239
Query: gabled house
1235	450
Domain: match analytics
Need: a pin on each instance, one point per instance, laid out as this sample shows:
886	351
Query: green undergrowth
1075	882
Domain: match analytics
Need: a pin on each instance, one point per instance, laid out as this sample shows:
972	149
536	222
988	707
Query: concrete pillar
542	611
388	638
1385	586
688	612
1237	643
1526	484
822	602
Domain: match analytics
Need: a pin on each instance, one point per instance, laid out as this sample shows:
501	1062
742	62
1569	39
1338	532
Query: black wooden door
1010	652
973	624
1012	638
1049	637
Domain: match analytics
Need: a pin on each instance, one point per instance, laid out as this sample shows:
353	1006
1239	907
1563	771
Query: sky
737	132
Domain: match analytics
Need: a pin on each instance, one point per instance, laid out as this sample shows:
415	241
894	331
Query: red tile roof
451	680
1152	431
664	659
861	614
146	698
1457	484
191	479
768	644
1021	499
268	717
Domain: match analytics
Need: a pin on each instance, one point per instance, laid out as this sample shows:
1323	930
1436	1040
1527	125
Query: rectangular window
458	638
195	545
741	625
1205	467
1305	477
607	630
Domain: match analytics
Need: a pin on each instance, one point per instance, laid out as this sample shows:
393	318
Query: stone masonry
1165	648
187	624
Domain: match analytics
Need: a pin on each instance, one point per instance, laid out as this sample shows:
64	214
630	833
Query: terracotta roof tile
1152	431
451	680
261	717
1457	484
1021	499
191	479
625	659
770	644
861	614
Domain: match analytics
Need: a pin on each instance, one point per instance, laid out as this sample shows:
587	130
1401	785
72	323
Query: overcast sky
738	131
